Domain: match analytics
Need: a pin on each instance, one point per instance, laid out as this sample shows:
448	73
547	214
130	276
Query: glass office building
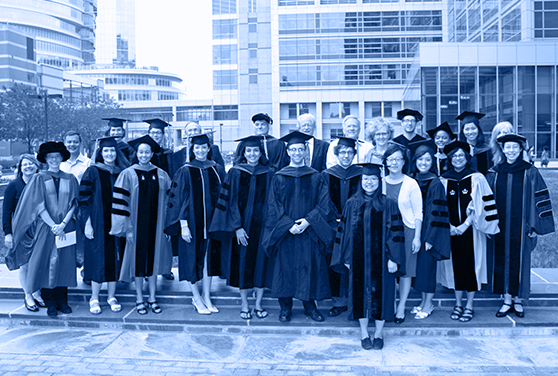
116	32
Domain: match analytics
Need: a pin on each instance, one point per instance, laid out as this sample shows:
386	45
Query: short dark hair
72	133
468	157
392	149
337	147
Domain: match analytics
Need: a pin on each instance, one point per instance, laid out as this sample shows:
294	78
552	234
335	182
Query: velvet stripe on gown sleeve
343	244
436	221
395	236
542	220
179	202
121	203
483	206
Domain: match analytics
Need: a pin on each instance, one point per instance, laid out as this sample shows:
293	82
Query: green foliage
22	116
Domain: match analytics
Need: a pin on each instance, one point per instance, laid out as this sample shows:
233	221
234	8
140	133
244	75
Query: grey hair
372	126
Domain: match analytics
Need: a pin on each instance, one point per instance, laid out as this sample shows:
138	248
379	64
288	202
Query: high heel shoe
211	308
201	310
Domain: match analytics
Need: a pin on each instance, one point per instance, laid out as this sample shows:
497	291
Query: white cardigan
409	200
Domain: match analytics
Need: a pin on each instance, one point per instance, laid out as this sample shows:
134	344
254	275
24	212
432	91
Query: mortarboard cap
457	145
371	169
262	116
115	122
442	127
414	146
157	123
295	137
512	137
408	112
106	142
254	140
145	140
200	139
345	141
470	117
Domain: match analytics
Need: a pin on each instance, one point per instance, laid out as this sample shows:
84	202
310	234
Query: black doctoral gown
524	209
128	151
342	183
366	240
319	155
481	159
274	149
102	253
243	204
401	139
300	268
435	231
192	197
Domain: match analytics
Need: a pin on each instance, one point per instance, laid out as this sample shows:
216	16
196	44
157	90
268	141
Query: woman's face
512	150
345	156
441	139
471	132
53	160
144	154
424	163
252	154
459	159
28	168
395	162
200	151
109	154
370	183
382	136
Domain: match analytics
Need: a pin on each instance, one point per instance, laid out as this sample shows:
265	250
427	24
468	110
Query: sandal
94	307
140	308
260	313
246	315
114	305
155	307
456	313
467	315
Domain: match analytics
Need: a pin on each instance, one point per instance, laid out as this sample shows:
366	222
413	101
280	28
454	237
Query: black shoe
501	313
51	311
40	303
336	311
366	344
285	316
64	308
378	343
399	320
315	315
32	308
169	277
521	313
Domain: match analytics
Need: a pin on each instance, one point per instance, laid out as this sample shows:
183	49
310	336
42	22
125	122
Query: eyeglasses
381	134
156	132
458	156
297	150
350	152
408	121
394	160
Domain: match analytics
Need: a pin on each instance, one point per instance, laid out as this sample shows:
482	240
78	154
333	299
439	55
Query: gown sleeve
85	198
541	219
394	236
226	216
343	244
9	206
436	221
278	222
483	206
321	218
121	204
179	201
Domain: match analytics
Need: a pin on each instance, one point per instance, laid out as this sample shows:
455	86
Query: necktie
307	160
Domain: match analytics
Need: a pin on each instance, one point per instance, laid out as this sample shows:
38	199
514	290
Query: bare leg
259	296
404	289
363	328
470	298
458	297
139	289
244	299
95	289
111	289
152	281
427	305
23	281
196	294
379	328
206	281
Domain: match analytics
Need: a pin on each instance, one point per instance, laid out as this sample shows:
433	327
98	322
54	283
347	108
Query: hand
167	237
453	230
130	237
302	224
427	246
294	230
533	235
459	230
242	237
415	247
392	266
58	229
88	231
186	234
62	236
9	241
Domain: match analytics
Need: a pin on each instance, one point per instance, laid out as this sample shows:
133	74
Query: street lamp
46	97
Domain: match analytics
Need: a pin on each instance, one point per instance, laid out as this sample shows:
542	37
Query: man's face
307	126
351	128
409	124
297	152
72	144
157	134
193	130
117	133
261	127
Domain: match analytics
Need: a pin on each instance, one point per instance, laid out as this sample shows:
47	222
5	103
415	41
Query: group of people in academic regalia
357	221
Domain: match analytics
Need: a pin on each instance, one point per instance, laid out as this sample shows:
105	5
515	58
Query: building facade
116	32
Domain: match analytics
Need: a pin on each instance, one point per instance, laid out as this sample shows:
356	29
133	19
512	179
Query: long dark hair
377	197
209	153
31	159
392	149
240	158
422	150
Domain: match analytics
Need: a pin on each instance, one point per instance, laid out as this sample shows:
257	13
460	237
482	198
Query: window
225	54
224	6
167	95
252	28
225	79
194	113
225	112
224	29
253	54
253	78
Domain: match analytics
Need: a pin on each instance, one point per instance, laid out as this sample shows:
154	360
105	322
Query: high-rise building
116	32
64	31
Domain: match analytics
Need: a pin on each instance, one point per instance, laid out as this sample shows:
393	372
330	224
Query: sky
175	35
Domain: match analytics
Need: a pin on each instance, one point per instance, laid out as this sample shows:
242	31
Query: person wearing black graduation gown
524	208
240	215
139	208
409	120
274	149
441	135
471	132
103	252
192	198
298	232
473	216
370	243
116	130
181	156
435	229
317	149
26	168
343	181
